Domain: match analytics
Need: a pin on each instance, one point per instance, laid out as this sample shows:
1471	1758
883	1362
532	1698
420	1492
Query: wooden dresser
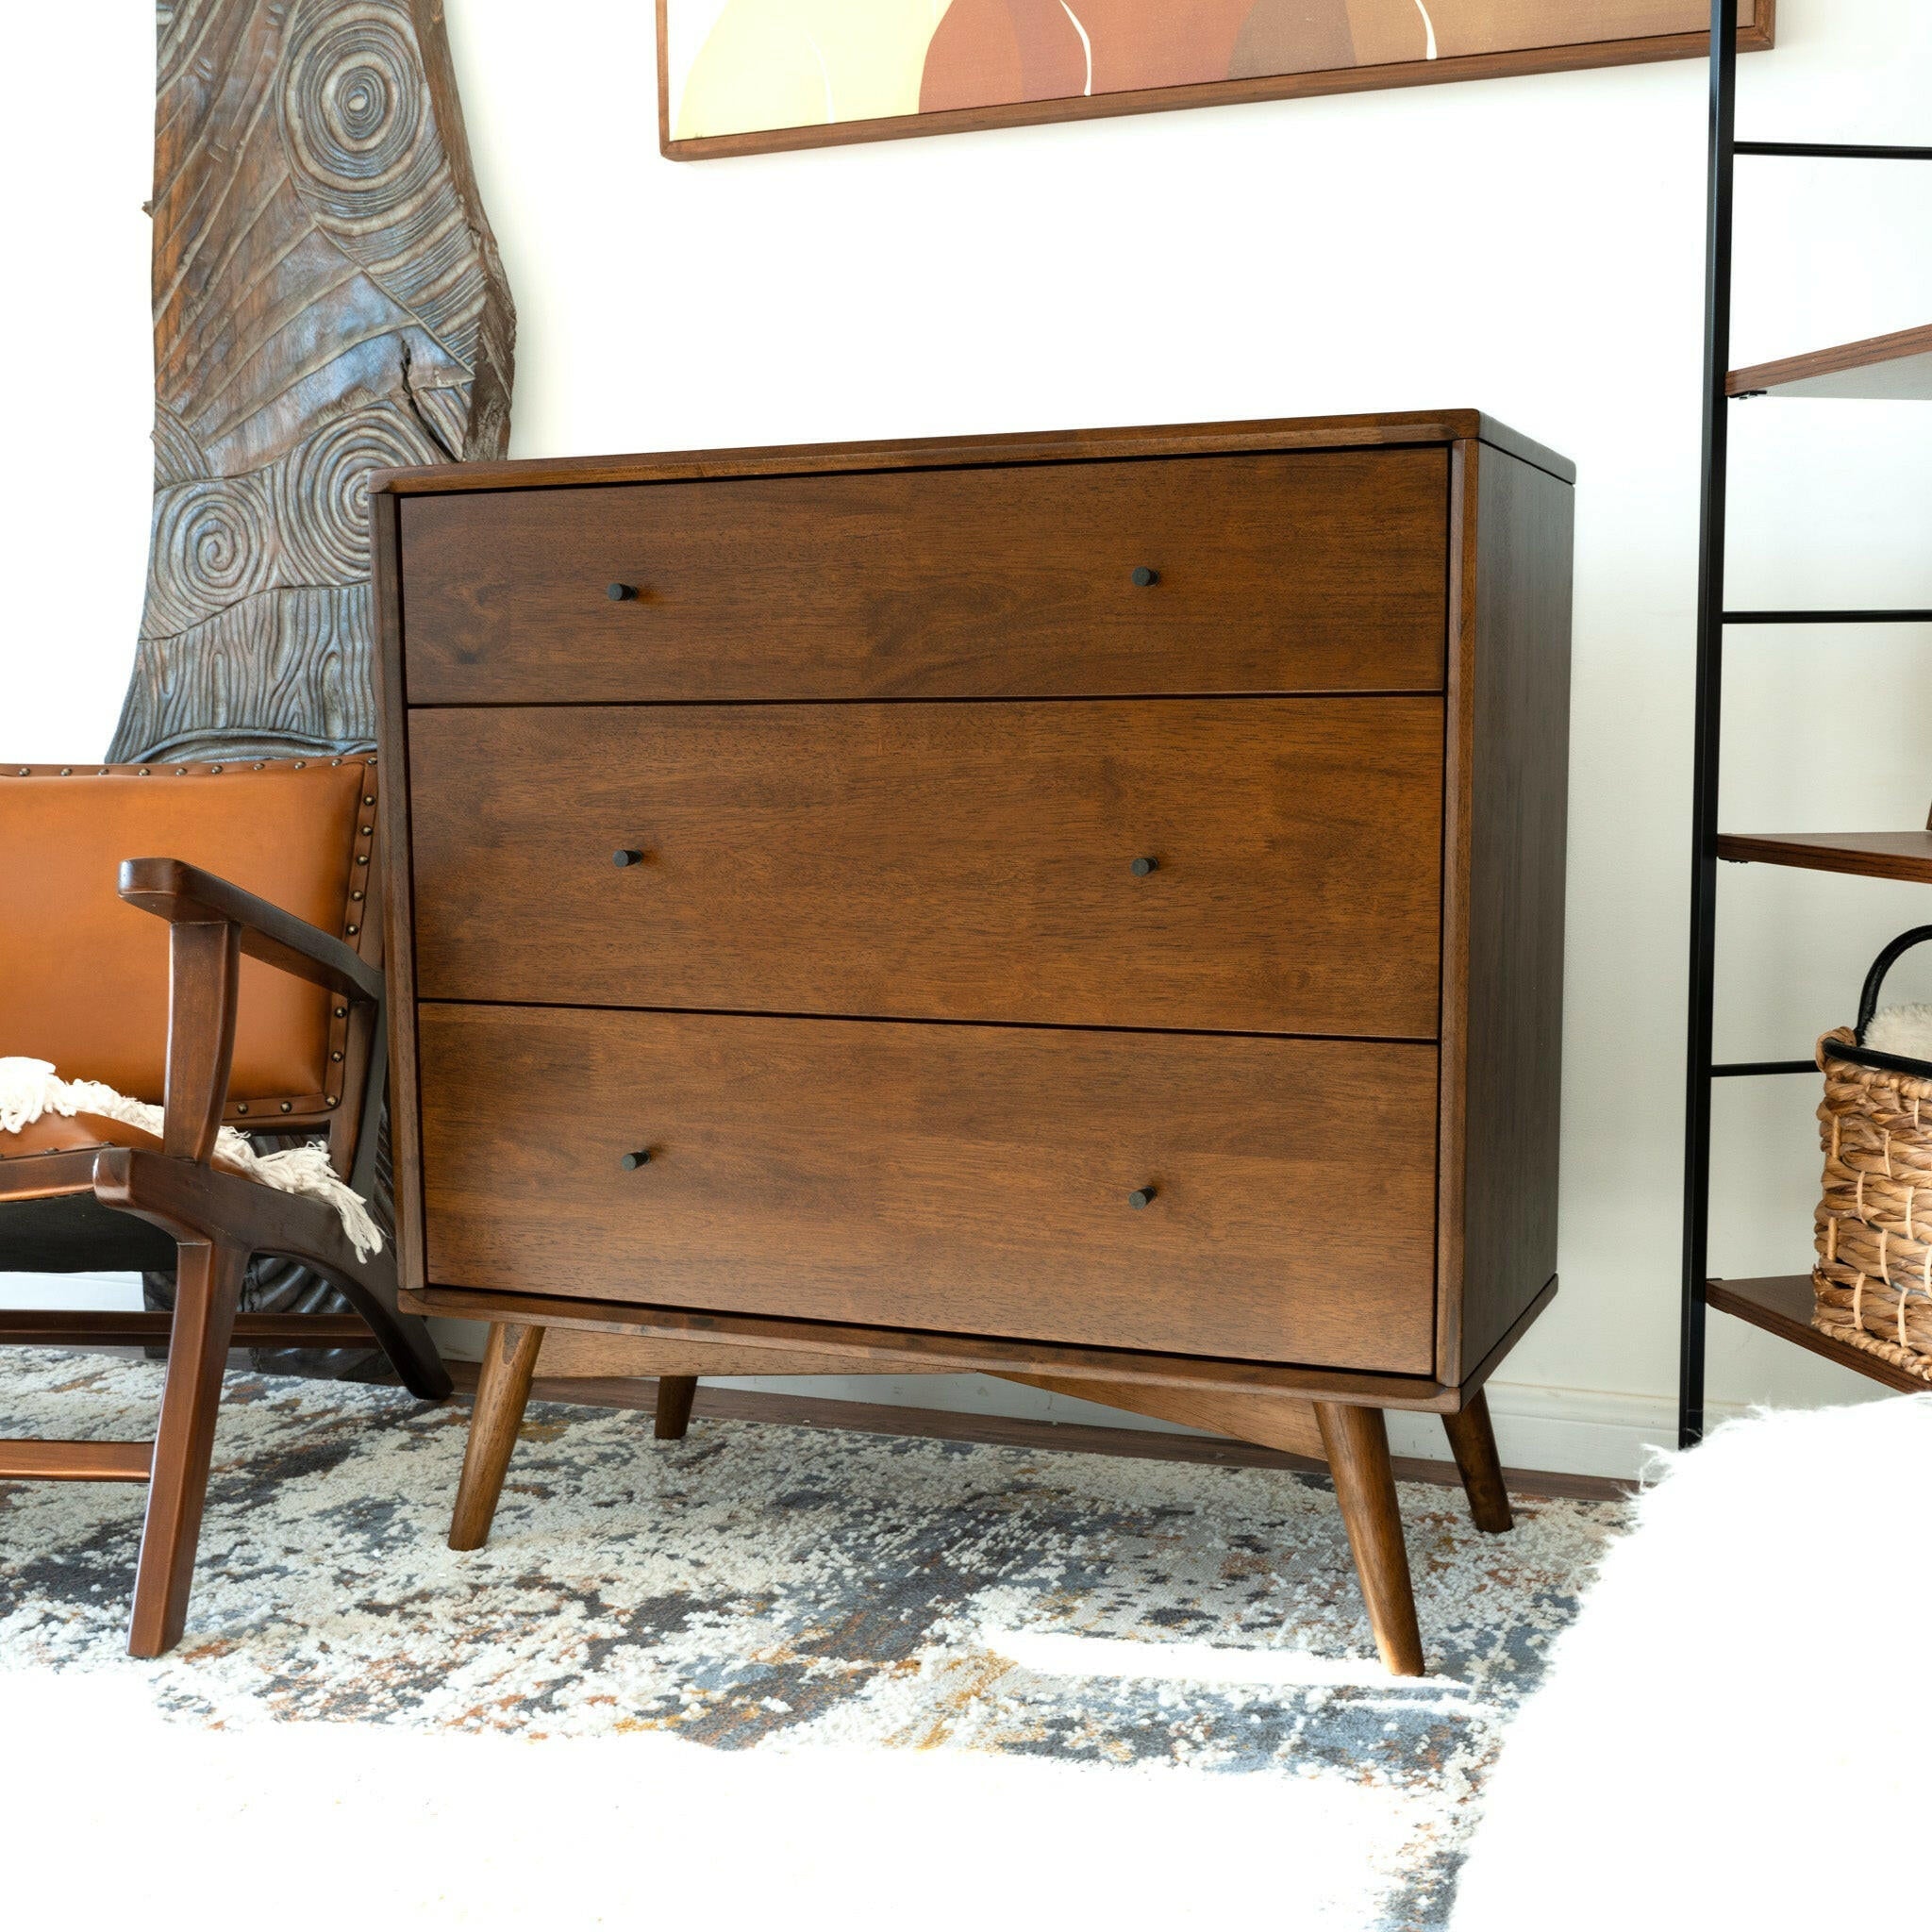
1081	907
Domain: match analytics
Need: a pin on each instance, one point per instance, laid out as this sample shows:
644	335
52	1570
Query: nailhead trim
365	833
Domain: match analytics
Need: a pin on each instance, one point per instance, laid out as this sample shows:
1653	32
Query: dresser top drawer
1256	572
972	1180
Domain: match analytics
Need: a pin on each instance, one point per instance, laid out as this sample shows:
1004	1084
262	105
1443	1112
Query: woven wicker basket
1874	1277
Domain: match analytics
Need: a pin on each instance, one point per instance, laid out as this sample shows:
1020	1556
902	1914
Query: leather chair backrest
84	975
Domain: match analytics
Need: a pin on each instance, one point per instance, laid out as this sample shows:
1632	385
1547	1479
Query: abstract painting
740	75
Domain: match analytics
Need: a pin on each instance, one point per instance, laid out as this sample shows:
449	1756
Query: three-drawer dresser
1086	908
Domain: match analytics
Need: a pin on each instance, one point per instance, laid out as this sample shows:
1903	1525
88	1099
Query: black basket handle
1874	980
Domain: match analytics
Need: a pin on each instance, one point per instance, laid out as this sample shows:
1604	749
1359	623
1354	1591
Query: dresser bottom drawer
967	1178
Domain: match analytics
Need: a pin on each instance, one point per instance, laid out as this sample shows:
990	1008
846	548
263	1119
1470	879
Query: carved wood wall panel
327	300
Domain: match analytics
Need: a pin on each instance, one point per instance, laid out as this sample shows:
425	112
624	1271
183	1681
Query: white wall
1532	248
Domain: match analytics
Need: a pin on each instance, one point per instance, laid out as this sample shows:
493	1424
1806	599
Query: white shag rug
768	1675
1734	1731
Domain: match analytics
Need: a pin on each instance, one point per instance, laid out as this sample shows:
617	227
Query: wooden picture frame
1629	49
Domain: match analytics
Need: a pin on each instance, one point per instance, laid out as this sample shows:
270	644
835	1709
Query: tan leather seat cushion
84	975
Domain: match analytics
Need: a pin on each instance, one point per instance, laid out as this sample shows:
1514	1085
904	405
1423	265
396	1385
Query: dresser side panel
1518	705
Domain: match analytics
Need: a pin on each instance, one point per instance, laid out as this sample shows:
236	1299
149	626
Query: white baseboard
1565	1431
113	1293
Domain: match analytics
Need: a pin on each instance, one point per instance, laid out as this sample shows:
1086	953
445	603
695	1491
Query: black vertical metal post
1710	640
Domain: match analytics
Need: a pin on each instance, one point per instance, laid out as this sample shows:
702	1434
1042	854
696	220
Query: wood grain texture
327	300
1892	368
890	1349
1074	105
1275	572
1356	1440
1391	429
204	976
1473	1442
1281	1422
672	1417
592	1355
207	1292
503	1389
75	1462
888	1173
1866	855
1781	1305
1502	969
926	864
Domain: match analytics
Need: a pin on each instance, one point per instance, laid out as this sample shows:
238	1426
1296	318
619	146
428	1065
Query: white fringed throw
30	1088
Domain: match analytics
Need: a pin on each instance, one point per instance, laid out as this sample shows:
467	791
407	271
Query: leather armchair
228	1005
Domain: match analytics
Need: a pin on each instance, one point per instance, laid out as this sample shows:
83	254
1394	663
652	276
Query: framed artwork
741	76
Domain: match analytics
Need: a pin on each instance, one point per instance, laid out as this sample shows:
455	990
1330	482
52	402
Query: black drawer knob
1139	1197
626	856
1144	576
640	1158
1143	866
620	594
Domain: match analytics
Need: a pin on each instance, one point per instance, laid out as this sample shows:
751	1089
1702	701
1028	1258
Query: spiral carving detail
329	301
213	545
322	492
355	113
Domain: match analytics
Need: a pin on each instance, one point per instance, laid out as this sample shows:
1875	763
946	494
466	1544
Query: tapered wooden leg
1472	1440
502	1387
675	1395
207	1292
1358	1445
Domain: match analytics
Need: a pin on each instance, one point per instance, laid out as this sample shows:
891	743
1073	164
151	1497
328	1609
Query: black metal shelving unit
1896	366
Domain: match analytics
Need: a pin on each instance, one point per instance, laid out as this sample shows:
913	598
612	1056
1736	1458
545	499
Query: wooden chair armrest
211	924
185	895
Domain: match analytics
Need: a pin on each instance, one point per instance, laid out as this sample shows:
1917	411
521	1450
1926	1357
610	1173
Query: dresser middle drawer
1254	865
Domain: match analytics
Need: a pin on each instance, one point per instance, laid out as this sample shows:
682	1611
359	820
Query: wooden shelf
1871	854
1781	1305
1894	368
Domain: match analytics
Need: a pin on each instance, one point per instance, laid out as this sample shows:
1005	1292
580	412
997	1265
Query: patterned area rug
765	1590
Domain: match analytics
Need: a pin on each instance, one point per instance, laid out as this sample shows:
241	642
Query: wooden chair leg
675	1395
1472	1440
1358	1445
502	1389
208	1292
